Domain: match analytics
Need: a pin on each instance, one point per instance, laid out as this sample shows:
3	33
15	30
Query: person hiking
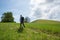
22	21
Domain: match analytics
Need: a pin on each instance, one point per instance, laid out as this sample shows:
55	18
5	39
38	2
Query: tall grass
48	27
32	31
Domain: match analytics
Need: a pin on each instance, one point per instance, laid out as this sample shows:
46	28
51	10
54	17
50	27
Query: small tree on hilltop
27	19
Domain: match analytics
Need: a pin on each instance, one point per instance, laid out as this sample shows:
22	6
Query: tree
27	19
7	17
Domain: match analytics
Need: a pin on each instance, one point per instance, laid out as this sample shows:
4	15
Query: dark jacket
22	20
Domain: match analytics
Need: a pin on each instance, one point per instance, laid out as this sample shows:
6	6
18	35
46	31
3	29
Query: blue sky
17	7
35	9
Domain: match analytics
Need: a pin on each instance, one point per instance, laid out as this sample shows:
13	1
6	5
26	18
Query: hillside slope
40	30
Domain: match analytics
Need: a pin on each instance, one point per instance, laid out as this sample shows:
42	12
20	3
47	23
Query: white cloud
45	9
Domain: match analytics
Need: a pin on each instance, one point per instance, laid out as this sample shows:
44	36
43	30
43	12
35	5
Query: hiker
22	21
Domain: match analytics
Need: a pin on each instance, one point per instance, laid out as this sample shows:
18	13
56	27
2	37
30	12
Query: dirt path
39	31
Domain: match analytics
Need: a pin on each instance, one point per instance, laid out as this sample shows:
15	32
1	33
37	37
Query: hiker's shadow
20	30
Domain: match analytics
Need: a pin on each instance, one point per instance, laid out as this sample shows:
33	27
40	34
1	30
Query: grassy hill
37	30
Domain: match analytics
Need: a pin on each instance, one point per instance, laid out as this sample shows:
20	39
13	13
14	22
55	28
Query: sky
34	9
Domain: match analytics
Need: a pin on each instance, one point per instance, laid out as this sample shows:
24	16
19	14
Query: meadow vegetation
36	30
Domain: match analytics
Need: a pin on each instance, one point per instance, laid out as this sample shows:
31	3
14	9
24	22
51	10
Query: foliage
27	19
7	17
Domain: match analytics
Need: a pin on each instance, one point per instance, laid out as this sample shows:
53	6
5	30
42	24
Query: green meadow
36	30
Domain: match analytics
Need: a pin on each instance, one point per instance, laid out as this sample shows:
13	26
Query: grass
37	30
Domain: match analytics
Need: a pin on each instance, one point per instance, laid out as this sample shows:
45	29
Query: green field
37	30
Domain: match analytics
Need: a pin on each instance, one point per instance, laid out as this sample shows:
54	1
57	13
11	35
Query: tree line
8	17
